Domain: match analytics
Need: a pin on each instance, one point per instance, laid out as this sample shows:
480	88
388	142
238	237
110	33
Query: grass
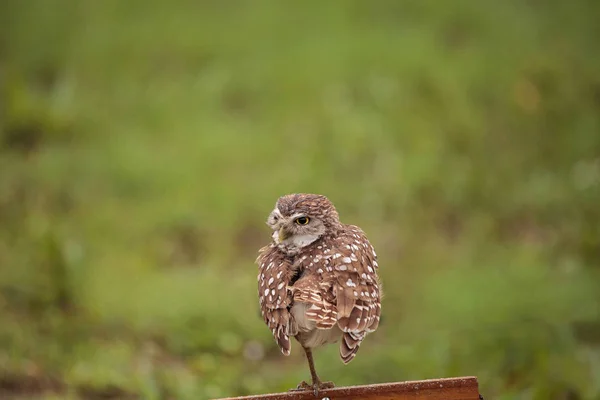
143	145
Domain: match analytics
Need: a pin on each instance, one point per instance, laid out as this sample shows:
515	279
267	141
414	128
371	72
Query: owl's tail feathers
349	345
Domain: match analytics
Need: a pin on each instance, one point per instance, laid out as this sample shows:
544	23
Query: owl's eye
302	220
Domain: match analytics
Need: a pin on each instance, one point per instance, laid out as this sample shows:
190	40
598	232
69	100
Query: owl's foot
303	386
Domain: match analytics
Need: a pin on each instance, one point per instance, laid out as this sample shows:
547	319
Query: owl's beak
283	234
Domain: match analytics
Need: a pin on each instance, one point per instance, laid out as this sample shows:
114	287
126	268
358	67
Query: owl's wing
344	289
274	273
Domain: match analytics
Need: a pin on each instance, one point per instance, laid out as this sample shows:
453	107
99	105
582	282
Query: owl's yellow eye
302	220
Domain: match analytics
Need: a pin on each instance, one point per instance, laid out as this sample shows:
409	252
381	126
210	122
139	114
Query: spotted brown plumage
317	280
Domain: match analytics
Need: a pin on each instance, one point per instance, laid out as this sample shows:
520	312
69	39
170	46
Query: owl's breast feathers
337	280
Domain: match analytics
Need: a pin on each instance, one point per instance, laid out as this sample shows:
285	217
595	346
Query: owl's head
300	219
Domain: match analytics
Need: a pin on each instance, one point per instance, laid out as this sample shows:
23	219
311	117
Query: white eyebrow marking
297	215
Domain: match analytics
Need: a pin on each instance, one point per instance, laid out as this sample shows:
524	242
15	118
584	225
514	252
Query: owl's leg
316	382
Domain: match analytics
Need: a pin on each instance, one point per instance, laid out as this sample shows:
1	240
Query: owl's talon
322	386
326	385
302	386
316	387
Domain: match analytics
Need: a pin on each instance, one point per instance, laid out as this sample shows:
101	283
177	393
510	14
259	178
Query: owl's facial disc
296	231
275	219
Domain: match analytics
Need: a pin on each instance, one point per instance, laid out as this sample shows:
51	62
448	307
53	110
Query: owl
317	280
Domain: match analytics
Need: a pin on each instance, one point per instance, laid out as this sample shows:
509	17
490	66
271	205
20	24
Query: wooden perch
464	388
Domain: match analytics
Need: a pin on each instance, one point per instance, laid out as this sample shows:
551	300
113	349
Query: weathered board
464	388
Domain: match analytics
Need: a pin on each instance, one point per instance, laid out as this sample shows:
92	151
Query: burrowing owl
317	280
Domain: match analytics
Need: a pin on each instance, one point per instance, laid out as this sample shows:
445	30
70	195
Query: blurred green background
143	143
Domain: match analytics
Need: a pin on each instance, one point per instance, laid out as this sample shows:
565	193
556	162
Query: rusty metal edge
378	388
